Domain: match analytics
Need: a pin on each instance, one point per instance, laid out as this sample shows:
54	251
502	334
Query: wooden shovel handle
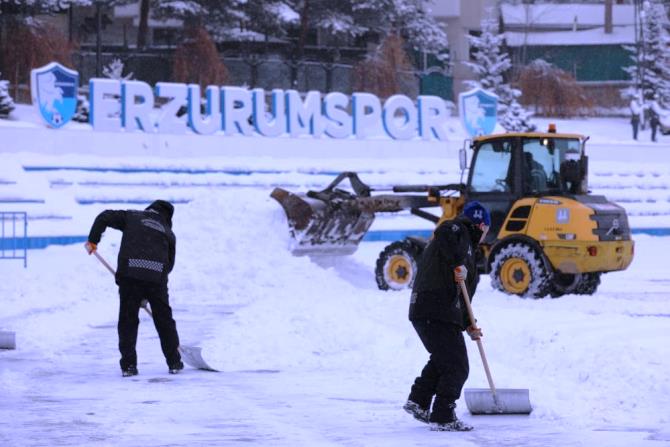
466	298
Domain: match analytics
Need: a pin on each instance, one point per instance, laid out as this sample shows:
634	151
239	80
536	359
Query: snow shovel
492	400
191	355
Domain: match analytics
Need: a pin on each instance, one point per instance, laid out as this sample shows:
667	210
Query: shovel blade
505	401
192	356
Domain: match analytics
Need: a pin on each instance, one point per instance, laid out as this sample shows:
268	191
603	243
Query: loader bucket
324	226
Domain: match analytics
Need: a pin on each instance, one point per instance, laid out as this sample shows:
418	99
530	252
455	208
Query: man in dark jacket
146	257
439	315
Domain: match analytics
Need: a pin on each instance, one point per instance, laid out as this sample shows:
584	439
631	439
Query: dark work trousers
446	370
132	292
635	123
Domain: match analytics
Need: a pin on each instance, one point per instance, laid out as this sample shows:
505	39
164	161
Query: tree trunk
98	39
304	28
608	16
143	29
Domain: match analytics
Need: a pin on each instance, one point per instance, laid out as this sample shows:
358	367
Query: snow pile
287	312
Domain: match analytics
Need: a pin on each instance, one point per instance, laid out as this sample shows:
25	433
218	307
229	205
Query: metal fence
14	235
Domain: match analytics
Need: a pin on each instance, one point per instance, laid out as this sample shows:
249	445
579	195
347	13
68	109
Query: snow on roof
565	15
621	35
129	10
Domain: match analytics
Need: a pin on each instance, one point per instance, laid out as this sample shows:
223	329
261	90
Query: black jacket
435	294
148	244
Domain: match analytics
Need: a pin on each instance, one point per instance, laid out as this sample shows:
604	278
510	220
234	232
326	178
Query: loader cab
510	166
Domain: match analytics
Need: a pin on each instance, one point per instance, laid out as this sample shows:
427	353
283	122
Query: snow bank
292	311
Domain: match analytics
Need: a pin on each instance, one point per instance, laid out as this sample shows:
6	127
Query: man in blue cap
439	316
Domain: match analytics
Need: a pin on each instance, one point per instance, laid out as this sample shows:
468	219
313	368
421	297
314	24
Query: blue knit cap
477	213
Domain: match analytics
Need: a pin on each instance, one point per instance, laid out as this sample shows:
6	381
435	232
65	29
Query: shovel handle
480	345
143	303
102	260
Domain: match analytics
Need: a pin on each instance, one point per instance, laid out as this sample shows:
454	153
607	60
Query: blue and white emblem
54	92
479	111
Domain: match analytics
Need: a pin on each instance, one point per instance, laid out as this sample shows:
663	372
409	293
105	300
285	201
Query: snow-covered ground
310	352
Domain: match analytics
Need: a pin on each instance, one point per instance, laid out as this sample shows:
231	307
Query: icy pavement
332	369
80	399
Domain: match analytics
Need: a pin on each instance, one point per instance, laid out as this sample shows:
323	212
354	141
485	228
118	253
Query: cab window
541	163
491	167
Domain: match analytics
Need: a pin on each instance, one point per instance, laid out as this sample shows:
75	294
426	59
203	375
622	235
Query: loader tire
396	265
518	269
565	284
578	284
589	284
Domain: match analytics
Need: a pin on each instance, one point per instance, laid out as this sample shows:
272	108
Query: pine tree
27	8
81	115
491	66
6	101
410	19
516	118
114	70
650	72
222	19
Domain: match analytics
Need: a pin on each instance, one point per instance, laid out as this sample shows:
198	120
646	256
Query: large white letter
134	114
105	104
263	125
212	122
168	121
367	112
304	117
432	117
236	110
335	110
398	131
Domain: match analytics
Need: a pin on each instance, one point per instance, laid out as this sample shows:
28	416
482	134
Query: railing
13	245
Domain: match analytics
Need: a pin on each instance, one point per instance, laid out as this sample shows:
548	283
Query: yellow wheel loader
548	235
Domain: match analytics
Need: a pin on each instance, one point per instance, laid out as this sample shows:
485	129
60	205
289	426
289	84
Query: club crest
478	110
54	92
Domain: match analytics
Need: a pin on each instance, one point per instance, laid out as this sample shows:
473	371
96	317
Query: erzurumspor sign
117	105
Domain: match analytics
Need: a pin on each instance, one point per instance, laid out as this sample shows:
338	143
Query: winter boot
129	371
456	425
176	367
443	418
419	413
